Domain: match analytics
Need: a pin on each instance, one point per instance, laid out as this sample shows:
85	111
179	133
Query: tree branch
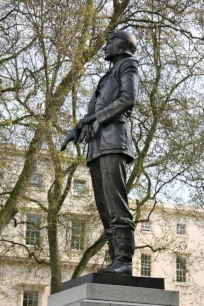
89	253
30	253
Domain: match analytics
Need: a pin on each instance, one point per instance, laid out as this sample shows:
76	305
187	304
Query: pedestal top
114	279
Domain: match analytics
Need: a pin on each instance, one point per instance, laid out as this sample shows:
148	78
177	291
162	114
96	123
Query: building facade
169	243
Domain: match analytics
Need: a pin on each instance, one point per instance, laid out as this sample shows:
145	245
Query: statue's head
119	42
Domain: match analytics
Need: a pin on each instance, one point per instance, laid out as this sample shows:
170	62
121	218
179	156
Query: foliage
50	63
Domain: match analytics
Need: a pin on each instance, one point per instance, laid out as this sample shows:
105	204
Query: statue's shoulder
130	61
125	63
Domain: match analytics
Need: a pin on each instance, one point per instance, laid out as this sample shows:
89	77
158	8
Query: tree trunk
90	252
55	263
11	206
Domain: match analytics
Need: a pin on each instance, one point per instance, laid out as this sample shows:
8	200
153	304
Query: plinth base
94	293
114	279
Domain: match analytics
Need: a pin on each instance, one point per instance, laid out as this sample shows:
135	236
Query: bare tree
51	51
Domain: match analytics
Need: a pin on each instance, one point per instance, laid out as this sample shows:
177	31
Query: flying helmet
119	42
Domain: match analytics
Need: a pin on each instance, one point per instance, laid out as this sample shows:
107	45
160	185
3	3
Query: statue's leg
113	182
101	203
113	173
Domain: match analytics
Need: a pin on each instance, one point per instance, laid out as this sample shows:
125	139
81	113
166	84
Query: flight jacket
112	103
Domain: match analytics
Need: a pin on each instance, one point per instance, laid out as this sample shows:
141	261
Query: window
146	226
30	298
36	180
79	186
32	230
181	229
180	269
77	242
145	265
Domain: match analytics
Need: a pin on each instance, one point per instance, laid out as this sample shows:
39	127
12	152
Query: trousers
108	174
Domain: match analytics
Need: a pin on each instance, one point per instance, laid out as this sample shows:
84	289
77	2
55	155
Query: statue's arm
82	131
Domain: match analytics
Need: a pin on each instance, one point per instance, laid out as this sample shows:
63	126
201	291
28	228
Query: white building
170	245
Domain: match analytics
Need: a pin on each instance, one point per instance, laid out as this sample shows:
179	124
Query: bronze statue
106	130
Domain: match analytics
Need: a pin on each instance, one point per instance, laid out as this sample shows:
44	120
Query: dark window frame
36	180
180	269
181	229
146	265
146	226
79	186
30	296
77	234
32	229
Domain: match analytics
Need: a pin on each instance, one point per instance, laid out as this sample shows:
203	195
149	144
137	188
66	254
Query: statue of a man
106	130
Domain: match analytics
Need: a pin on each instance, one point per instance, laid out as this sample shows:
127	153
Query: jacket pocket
114	136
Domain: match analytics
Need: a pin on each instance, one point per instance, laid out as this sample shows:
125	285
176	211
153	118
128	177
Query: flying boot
124	246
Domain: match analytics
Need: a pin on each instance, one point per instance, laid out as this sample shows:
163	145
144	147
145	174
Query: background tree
50	64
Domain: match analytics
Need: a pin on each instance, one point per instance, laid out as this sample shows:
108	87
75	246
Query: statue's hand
63	147
72	135
86	133
75	133
85	120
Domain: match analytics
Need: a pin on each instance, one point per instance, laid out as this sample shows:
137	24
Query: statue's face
119	42
112	48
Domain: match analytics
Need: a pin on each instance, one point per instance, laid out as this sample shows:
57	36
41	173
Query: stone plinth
91	290
113	279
